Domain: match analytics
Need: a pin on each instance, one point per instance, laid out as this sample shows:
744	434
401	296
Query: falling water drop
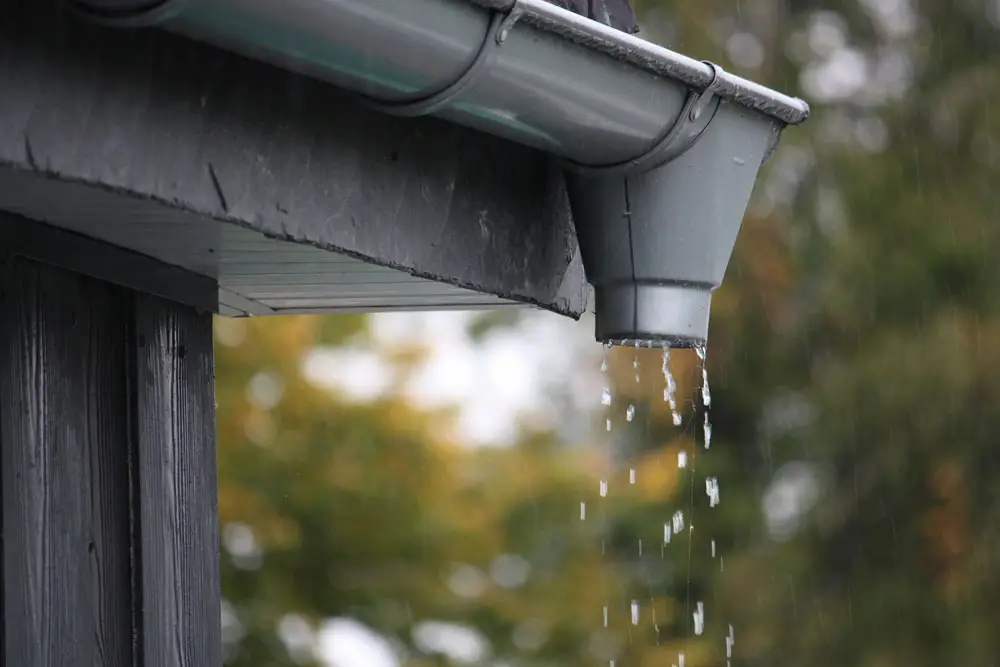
712	490
605	615
635	612
678	521
680	659
635	362
670	388
706	393
713	548
640	548
606	397
708	431
631	475
666	533
604	488
699	619
630	413
583	511
682	459
607	425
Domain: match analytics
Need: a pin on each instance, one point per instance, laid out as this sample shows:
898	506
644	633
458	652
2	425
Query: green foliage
857	338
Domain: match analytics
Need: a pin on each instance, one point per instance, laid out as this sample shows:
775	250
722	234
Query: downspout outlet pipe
660	151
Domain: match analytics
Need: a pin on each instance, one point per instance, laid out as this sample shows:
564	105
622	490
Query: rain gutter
525	70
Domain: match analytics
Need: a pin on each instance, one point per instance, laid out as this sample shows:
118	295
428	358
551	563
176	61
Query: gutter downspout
660	151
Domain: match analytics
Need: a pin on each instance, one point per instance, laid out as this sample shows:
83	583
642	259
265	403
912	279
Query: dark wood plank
178	514
64	485
107	476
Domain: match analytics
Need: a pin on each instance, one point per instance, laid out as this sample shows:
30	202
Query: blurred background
424	489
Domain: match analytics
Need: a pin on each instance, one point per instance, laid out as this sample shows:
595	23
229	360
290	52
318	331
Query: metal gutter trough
660	151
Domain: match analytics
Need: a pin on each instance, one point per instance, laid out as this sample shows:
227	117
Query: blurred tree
855	373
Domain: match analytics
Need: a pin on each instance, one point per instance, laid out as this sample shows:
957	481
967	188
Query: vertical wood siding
107	475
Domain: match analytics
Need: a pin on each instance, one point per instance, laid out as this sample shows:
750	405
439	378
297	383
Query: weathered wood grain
107	475
178	518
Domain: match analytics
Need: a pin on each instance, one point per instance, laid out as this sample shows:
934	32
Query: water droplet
605	615
604	488
730	641
630	413
666	533
712	490
699	619
682	459
708	431
706	394
606	397
631	475
680	659
635	612
670	388
713	548
607	425
678	521
583	511
640	548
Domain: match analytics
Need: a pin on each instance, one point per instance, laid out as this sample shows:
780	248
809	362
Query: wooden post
109	545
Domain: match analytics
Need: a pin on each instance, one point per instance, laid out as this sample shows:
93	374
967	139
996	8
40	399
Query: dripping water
635	612
706	393
670	388
635	362
699	618
712	491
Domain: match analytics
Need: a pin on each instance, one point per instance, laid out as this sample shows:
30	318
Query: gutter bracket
694	118
144	15
500	26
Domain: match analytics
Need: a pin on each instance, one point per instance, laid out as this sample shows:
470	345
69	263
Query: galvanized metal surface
561	82
656	243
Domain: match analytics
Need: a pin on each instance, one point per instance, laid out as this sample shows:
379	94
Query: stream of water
677	523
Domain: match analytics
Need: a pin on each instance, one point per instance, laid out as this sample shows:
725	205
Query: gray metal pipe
661	151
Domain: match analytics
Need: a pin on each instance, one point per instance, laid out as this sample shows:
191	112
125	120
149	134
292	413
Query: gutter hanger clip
695	115
500	26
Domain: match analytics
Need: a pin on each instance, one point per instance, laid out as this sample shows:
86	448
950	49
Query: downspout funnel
660	150
656	234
